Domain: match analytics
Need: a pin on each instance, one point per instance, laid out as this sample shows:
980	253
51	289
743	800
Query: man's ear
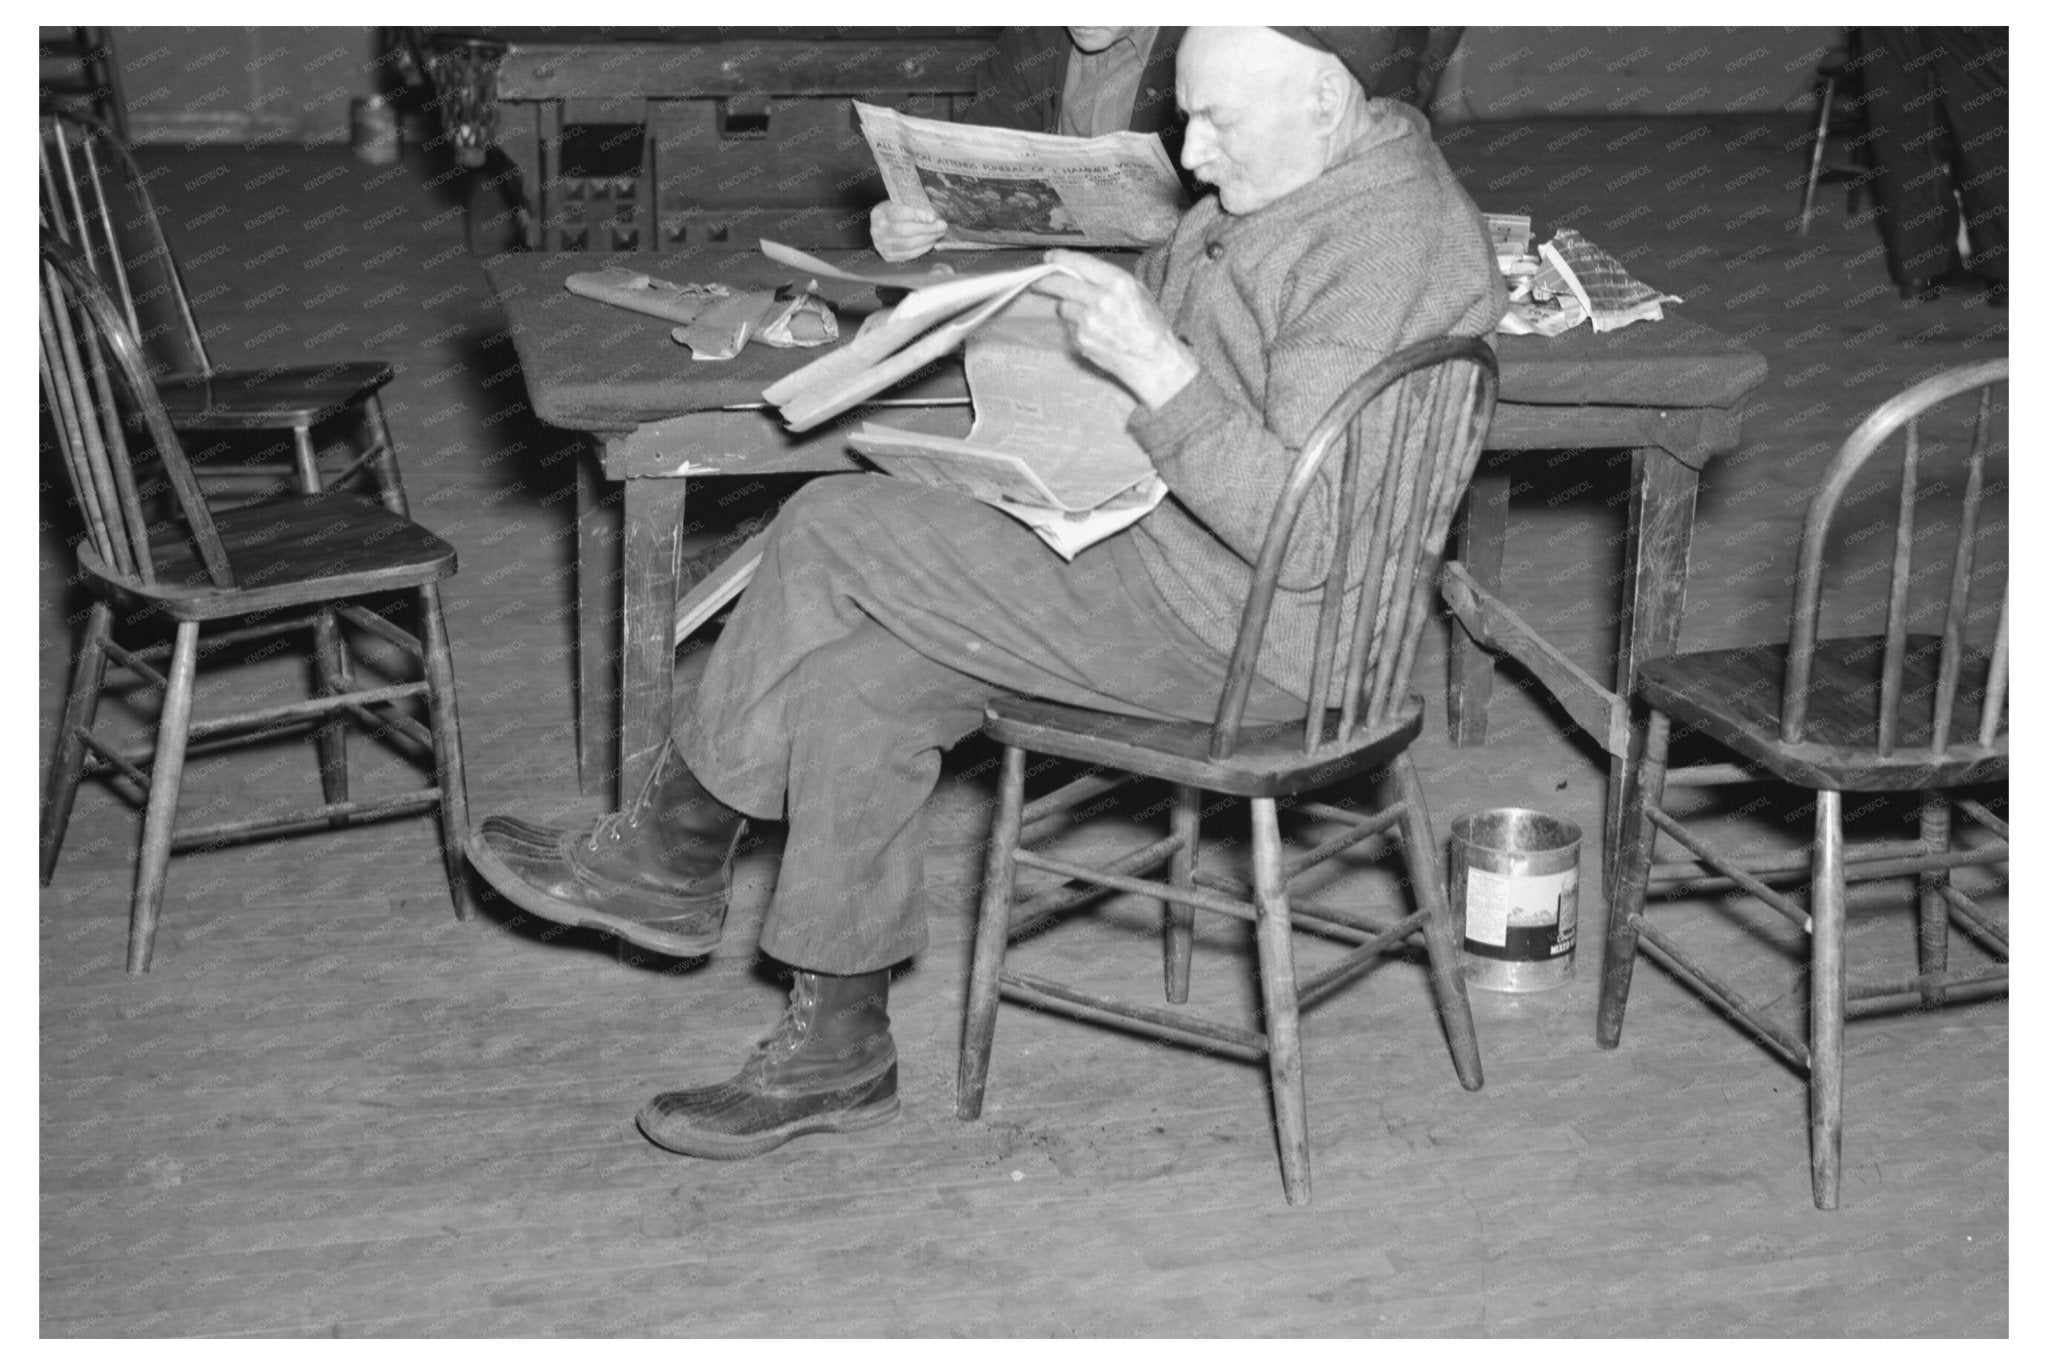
1330	97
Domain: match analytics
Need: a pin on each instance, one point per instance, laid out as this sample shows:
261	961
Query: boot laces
794	1026
612	826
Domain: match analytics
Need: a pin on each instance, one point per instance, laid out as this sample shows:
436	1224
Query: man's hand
1115	324
900	232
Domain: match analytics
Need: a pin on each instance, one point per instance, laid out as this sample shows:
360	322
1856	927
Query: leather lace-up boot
657	874
829	1067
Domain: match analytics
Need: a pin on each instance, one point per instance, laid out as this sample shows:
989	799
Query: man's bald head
1266	114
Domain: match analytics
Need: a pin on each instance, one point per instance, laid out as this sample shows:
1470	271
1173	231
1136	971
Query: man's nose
1195	148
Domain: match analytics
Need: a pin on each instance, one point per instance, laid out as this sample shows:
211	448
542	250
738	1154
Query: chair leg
1439	932
1820	144
1934	837
1642	791
447	730
67	759
331	669
991	937
165	774
306	460
1276	986
390	485
1180	919
1824	1081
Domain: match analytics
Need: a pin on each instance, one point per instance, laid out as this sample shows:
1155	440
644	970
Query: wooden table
1670	393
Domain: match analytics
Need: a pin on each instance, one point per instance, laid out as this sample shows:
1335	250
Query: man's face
1250	129
1095	39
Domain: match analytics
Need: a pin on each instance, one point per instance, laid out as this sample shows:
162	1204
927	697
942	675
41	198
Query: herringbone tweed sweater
1284	307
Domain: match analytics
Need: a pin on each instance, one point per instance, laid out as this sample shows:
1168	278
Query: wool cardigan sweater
1284	308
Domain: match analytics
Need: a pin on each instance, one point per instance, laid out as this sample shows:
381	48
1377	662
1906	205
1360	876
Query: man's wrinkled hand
901	232
1115	324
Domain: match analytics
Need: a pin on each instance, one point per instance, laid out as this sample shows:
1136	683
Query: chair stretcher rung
402	724
1727	865
1716	775
1722	994
1028	915
1977	811
1084	788
1362	828
315	706
376	625
1973	914
318	817
1878	997
1103	877
237	636
1794	865
113	759
1354	962
1335	922
1203	1033
133	660
1871	864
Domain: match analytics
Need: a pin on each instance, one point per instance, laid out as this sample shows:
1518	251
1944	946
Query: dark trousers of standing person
1936	101
883	618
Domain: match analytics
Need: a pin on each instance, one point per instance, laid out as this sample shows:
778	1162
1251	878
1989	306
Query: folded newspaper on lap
1000	187
1049	444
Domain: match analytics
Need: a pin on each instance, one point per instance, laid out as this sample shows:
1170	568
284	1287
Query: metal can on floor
1515	890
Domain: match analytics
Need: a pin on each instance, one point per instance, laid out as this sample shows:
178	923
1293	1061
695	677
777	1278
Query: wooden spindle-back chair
1896	711
1390	461
93	197
155	550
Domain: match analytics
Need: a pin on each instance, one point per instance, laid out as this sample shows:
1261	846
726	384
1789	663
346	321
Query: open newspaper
936	316
1000	187
1049	444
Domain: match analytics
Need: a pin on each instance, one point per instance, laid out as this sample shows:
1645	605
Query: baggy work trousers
1937	109
883	617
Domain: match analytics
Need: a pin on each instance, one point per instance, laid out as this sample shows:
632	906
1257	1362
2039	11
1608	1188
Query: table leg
1482	542
597	630
1663	490
653	551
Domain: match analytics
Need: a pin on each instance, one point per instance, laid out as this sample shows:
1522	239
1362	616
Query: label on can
1530	918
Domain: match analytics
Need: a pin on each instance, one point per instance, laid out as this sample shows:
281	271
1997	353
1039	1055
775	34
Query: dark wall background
188	84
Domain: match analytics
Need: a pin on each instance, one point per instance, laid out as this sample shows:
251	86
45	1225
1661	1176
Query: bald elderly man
885	613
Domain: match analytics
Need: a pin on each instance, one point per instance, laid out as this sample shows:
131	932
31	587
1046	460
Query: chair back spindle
1392	457
97	386
94	198
1908	415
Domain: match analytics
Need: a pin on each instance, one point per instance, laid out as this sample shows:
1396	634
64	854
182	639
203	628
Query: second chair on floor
93	197
1915	712
155	552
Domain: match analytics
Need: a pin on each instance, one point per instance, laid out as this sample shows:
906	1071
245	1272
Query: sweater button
1215	251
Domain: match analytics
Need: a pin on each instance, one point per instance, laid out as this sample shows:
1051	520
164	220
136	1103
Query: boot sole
717	1147
640	935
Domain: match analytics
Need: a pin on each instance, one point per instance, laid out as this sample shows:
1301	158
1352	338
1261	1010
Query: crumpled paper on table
1577	282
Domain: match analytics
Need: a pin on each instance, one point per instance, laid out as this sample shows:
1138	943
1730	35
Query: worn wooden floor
331	1109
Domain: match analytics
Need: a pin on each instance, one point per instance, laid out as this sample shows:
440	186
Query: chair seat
260	400
287	551
1268	762
1734	695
